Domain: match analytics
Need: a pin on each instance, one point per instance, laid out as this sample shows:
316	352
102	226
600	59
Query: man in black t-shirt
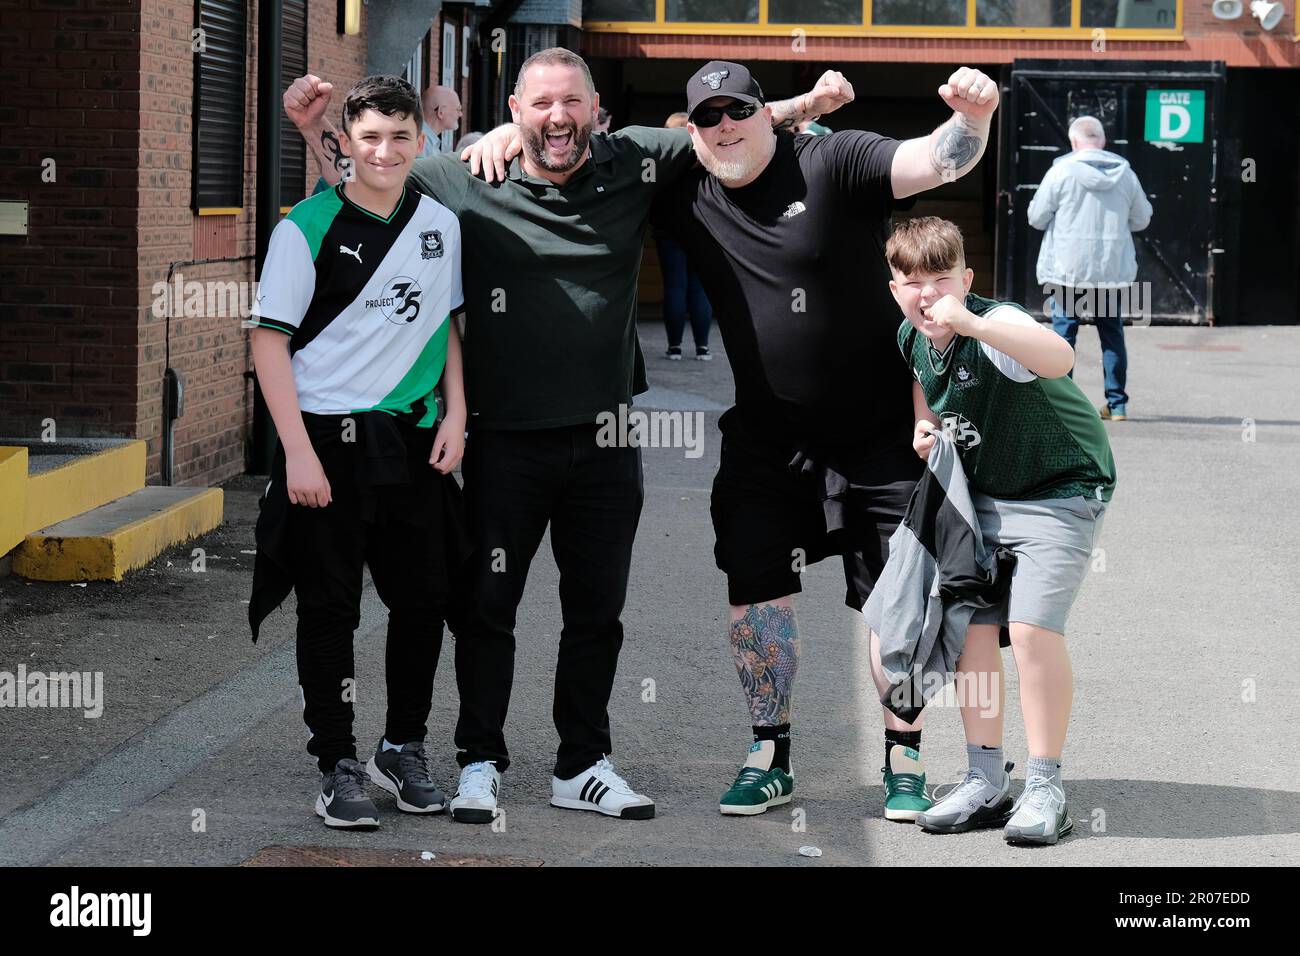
787	234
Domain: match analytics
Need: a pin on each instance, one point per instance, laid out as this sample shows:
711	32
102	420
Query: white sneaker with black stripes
601	789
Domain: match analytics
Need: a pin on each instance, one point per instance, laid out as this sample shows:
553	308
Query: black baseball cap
722	78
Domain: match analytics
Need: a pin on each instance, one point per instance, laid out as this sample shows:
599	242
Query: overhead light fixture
349	17
1268	14
1227	9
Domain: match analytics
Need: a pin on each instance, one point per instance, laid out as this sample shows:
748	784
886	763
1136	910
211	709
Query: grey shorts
1053	539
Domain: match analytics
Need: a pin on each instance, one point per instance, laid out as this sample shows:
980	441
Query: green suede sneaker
757	788
905	798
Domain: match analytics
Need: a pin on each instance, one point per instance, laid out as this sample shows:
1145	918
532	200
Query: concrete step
13	498
68	478
107	541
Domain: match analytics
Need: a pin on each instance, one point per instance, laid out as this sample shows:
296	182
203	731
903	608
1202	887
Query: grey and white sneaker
343	801
476	794
601	789
1040	816
974	803
405	774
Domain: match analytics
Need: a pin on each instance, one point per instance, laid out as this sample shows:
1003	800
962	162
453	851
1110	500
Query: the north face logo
714	80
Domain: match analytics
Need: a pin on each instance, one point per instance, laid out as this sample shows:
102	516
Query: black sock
779	735
905	738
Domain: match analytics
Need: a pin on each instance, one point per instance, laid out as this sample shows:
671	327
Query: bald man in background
441	112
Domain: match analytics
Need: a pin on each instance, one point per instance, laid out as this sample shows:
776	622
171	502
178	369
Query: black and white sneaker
343	801
476	795
601	789
405	774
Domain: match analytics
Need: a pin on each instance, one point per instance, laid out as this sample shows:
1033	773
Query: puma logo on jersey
356	254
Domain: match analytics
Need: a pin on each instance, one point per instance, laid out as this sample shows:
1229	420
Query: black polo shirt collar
601	154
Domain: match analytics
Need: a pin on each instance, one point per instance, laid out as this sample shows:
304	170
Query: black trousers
401	542
516	482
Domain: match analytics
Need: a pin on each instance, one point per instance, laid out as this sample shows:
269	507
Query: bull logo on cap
714	80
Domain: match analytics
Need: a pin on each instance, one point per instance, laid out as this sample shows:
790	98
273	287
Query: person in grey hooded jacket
1089	204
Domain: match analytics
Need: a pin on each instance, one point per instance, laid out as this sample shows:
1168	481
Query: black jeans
516	482
406	563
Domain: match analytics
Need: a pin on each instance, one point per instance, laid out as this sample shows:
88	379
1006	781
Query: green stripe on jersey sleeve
420	379
314	215
262	322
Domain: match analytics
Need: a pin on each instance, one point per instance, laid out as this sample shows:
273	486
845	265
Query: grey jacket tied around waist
938	574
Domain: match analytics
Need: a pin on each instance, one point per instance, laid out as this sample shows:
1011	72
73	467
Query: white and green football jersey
366	302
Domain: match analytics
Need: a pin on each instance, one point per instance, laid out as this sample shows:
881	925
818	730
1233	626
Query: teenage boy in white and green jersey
352	333
1040	472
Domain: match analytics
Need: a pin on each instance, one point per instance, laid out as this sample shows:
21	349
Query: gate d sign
1175	116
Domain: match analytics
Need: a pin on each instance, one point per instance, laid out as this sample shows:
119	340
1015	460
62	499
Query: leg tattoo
765	647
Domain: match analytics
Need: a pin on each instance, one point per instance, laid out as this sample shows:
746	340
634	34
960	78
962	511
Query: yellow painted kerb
13	497
109	556
82	484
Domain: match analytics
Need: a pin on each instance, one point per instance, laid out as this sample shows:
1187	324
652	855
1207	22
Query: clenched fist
831	92
307	99
971	92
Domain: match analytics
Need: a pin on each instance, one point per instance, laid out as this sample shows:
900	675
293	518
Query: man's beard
535	143
734	170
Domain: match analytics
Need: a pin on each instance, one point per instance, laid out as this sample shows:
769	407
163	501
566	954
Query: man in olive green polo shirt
550	264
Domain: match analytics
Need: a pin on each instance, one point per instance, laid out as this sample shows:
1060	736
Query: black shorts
779	505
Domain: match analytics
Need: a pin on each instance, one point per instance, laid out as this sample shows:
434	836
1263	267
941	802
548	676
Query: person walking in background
1089	204
603	118
683	294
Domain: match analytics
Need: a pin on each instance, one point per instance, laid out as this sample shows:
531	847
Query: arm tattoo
331	150
787	114
330	143
765	647
956	146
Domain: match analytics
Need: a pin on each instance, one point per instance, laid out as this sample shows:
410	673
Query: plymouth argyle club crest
431	244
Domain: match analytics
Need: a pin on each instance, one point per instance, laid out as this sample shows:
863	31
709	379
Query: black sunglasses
707	117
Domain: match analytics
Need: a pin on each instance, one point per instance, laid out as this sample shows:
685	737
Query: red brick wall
1238	42
105	89
68	300
166	231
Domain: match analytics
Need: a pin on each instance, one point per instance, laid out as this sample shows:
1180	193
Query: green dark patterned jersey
1019	436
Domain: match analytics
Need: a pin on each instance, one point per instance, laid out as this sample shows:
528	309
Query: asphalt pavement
1187	674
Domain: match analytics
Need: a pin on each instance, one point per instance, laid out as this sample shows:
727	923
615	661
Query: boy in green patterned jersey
1040	473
